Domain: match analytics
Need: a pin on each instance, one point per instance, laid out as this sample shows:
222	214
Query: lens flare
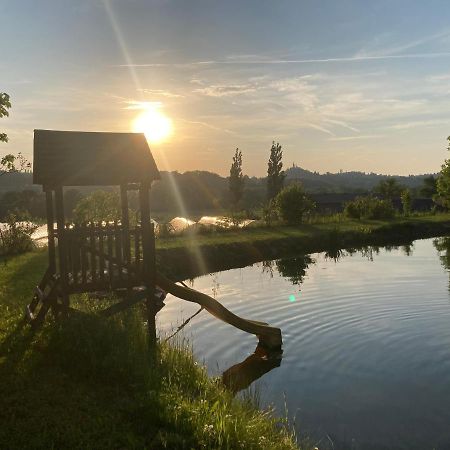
156	126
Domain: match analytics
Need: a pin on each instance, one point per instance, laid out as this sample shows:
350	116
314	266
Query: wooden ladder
45	296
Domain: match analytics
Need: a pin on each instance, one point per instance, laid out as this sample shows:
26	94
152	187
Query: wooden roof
76	158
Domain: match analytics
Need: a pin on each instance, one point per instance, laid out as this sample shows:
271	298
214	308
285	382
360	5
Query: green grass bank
190	255
89	383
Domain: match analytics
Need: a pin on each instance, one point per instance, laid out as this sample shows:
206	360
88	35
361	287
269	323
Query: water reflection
242	375
294	269
442	245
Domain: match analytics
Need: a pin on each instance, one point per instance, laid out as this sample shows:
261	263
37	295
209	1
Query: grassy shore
89	382
191	254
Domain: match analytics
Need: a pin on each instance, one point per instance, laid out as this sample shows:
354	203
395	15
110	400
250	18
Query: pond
366	352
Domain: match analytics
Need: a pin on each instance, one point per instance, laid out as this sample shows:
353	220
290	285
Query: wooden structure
109	256
96	256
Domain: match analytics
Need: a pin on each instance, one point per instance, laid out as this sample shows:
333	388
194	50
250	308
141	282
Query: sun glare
156	126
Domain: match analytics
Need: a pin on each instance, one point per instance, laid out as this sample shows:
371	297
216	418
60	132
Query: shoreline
192	256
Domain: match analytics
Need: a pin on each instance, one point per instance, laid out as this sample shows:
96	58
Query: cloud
137	105
226	90
352	138
381	50
419	123
160	92
243	61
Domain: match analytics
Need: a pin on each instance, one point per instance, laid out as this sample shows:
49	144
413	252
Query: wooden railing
103	255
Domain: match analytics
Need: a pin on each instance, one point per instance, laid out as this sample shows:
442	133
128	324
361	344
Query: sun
156	126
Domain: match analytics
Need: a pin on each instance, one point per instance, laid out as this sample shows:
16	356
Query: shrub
293	203
15	236
269	213
369	208
406	199
98	206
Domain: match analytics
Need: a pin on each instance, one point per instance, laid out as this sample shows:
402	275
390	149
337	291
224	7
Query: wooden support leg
151	322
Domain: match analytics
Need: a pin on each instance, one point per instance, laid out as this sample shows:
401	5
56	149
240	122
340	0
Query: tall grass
90	382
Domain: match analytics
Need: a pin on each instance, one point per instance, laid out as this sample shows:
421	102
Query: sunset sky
352	85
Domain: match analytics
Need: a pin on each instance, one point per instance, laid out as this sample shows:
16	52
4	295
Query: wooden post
125	223
148	264
50	230
62	254
101	251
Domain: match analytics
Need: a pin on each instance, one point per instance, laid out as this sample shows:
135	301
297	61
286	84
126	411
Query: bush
15	236
406	199
369	208
293	203
97	207
269	213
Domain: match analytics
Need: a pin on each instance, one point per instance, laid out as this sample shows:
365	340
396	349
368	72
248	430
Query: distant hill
347	182
192	192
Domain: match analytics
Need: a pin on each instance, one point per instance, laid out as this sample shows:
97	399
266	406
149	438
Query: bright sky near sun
352	85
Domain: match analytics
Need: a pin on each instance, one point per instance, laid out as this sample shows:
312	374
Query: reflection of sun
156	126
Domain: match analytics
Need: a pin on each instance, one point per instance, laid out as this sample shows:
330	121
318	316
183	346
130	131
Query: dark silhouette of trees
443	182
10	163
293	203
406	199
236	179
429	189
275	172
5	104
389	189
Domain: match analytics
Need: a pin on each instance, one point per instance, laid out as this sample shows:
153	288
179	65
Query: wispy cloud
382	49
226	90
353	138
419	123
161	93
244	61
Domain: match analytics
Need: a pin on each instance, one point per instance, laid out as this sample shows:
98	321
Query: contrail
294	61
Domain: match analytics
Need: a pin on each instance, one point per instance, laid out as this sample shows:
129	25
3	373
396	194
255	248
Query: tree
406	199
443	182
10	163
429	189
14	163
5	104
236	180
389	188
275	172
292	203
369	208
98	206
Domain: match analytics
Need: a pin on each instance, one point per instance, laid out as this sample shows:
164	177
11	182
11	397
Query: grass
318	225
89	382
191	254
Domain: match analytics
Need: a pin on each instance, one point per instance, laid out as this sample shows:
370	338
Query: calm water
366	360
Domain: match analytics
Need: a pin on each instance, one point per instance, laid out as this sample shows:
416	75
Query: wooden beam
62	251
148	255
125	224
50	230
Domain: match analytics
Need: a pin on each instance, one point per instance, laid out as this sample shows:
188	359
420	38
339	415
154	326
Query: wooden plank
62	249
75	250
92	247
148	255
101	252
50	230
125	226
110	253
84	259
118	249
